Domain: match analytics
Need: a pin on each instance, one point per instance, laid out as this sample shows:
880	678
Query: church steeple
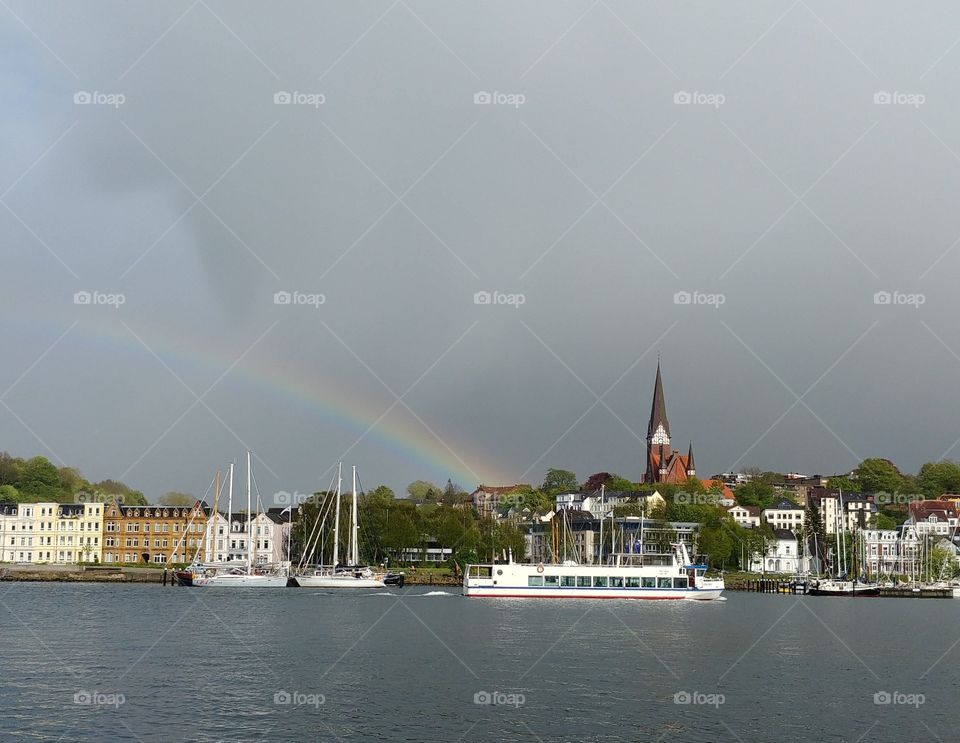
691	467
658	413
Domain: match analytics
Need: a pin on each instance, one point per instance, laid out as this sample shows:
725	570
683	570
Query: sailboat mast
336	518
354	528
249	522
603	516
230	512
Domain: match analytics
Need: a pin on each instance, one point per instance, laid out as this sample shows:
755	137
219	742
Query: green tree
937	478
40	480
559	481
878	475
757	494
9	469
882	521
9	494
175	498
423	490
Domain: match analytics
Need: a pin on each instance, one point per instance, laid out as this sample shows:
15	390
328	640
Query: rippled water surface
165	664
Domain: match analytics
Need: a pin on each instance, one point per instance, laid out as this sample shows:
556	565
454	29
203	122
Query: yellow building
52	532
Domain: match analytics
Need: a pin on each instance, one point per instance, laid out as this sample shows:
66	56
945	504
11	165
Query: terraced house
153	534
51	532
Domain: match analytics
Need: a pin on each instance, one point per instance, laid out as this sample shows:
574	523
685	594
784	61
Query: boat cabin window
649	582
599	582
633	583
665	583
535	580
583	581
551	580
568	581
679	582
616	582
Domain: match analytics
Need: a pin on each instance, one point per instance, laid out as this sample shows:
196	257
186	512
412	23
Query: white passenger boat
624	576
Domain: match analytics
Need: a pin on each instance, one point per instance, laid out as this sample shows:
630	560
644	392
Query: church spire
691	467
658	411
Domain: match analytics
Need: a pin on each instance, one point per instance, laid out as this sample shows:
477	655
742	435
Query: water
200	665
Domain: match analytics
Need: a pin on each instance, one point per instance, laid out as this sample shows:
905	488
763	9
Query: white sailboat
248	576
351	575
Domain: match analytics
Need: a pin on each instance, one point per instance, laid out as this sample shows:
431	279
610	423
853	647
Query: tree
128	495
40	480
937	478
175	498
878	475
882	521
596	480
423	490
9	469
559	481
9	494
757	494
454	495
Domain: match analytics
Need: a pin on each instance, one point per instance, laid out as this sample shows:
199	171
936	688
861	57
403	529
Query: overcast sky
594	164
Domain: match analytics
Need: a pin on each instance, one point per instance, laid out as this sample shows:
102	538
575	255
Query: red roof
922	510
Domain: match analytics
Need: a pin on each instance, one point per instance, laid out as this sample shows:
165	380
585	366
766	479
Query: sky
450	240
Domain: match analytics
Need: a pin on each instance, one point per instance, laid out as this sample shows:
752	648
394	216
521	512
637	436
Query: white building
892	551
747	516
51	532
783	555
784	514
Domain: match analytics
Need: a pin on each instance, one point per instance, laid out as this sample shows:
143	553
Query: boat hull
241	581
649	594
329	581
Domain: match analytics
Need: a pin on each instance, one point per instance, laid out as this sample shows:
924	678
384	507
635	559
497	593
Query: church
664	464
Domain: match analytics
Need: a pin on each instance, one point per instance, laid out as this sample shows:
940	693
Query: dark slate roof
785	504
784	534
658	411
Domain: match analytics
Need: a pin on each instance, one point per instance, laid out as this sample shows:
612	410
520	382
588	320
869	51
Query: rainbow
356	415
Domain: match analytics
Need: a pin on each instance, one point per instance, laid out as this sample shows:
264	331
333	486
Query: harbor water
103	662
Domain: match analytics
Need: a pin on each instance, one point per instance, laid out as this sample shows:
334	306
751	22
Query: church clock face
660	436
